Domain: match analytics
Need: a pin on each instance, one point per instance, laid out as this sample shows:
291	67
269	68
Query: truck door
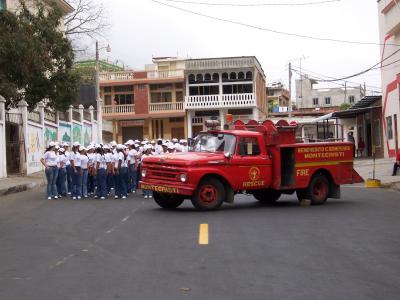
251	165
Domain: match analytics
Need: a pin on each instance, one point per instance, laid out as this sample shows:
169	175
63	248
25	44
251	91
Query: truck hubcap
208	194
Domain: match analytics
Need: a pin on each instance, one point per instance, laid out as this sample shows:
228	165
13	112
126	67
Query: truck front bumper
167	188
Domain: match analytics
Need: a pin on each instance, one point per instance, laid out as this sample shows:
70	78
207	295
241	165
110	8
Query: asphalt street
132	249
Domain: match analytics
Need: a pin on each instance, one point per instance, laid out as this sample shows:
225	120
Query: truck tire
267	196
317	191
209	195
168	201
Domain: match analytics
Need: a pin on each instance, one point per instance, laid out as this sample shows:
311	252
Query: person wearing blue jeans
131	167
69	171
147	153
62	172
121	173
100	171
75	160
84	167
50	161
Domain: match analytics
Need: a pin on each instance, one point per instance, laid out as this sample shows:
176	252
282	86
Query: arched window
215	77
232	76
192	78
241	75
225	77
249	75
207	77
199	77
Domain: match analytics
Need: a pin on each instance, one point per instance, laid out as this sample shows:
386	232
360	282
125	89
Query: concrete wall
3	162
389	28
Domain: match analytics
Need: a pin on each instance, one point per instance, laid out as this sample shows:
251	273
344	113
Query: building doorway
13	148
178	133
132	133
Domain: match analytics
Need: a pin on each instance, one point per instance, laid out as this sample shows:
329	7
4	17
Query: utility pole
345	91
290	91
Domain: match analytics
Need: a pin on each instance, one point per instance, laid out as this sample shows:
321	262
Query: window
241	75
204	90
176	120
389	127
351	99
225	77
232	76
249	75
107	100
207	77
248	147
161	97
123	88
179	96
199	78
141	87
328	100
178	85
123	99
377	132
3	4
237	89
107	89
215	77
160	87
315	101
192	79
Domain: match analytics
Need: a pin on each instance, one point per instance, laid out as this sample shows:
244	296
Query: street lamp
98	100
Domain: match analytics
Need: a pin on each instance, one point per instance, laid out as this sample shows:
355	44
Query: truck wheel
317	191
168	201
209	195
267	196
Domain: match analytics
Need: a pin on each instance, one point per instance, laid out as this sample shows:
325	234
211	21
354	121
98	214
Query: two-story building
219	86
389	28
145	104
277	98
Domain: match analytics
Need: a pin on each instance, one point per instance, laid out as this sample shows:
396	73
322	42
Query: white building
309	97
389	28
218	86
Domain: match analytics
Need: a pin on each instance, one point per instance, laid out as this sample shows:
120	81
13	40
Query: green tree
345	106
36	59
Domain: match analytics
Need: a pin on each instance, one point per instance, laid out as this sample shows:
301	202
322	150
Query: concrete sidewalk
16	184
383	171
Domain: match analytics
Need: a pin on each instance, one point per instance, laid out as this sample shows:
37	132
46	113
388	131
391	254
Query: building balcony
165	74
166	107
117	76
115	111
220	101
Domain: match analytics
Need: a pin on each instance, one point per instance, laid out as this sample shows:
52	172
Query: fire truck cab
260	159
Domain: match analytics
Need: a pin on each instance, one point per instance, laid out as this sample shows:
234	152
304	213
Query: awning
322	118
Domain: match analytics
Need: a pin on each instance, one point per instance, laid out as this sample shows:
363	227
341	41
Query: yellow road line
203	234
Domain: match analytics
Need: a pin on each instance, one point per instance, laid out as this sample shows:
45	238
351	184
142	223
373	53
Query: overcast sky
142	29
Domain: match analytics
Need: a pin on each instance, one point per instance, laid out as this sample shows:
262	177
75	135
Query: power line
268	29
362	72
253	4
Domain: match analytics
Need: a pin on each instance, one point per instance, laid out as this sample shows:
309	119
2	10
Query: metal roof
366	101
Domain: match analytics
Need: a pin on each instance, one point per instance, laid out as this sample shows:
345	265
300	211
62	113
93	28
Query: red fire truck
260	159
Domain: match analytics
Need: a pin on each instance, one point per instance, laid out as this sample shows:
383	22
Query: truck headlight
183	177
144	173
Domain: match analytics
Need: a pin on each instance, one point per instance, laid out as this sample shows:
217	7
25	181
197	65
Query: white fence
41	126
220	101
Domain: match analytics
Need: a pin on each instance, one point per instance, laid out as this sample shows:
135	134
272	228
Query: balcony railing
220	101
117	76
165	74
166	107
118	109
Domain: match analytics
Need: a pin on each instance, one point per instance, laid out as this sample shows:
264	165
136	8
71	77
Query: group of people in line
98	169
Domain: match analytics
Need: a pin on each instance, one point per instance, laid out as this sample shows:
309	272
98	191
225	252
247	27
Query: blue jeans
101	183
131	178
85	182
61	188
77	183
138	174
70	174
51	175
91	183
123	182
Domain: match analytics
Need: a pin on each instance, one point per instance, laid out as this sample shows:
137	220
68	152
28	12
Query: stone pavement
15	184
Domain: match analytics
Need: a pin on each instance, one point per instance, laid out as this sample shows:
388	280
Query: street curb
392	186
21	188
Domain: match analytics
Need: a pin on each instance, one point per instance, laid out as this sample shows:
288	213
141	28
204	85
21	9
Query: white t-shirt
84	161
132	156
76	157
62	161
115	158
92	158
101	159
144	156
50	158
121	157
158	150
67	153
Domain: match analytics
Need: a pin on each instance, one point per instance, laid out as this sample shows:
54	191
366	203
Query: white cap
65	144
137	145
147	147
181	141
130	142
153	142
106	147
57	147
61	150
113	143
120	147
174	140
82	149
76	144
52	144
143	143
171	146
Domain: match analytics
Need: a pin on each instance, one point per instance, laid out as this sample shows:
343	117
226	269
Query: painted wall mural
87	134
64	131
50	134
35	149
77	133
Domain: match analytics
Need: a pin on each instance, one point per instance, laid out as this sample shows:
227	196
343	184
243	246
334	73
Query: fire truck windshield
214	142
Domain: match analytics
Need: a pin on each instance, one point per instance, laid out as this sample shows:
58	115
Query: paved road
131	249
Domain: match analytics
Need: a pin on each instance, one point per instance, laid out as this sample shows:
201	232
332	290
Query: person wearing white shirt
69	170
75	159
122	173
131	168
62	173
101	173
85	172
91	169
147	153
49	161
